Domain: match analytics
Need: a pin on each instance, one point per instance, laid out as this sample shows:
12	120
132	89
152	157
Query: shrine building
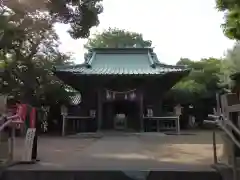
120	88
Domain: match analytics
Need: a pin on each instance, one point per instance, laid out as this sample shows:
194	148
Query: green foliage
28	52
116	38
202	82
207	77
230	65
231	26
81	15
113	38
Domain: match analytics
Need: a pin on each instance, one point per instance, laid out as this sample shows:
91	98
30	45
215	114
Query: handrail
222	122
9	121
223	127
234	140
5	124
229	133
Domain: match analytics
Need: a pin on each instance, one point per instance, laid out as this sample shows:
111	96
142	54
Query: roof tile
131	62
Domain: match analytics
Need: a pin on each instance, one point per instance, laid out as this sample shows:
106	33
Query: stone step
109	175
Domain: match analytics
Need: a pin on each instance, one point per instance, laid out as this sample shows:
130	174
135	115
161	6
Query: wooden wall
152	89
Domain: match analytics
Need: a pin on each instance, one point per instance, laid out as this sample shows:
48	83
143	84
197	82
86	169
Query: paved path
125	152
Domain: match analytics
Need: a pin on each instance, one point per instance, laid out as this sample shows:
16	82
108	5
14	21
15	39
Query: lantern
149	112
178	110
76	99
64	110
132	95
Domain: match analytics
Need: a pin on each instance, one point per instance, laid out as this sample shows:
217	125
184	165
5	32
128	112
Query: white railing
11	122
228	127
223	126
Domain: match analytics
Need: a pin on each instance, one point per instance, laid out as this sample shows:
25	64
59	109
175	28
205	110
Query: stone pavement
133	152
120	157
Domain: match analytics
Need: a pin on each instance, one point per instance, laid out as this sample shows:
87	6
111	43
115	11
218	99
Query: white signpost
27	154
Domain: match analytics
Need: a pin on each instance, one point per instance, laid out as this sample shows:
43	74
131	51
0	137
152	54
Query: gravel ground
141	151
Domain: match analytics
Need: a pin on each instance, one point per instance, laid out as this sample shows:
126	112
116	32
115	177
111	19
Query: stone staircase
109	175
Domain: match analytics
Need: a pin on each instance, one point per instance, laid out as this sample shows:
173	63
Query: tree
230	65
28	51
114	37
81	15
200	87
204	77
231	8
203	82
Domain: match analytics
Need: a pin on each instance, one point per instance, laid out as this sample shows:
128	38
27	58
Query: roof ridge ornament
152	63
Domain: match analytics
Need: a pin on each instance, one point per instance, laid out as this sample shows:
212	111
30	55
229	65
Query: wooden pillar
99	102
141	112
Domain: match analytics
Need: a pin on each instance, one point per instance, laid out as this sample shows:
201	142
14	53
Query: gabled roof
121	61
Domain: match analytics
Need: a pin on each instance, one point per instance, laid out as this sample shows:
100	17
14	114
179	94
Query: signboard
27	154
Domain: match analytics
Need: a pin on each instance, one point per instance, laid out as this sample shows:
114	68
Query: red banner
22	111
33	118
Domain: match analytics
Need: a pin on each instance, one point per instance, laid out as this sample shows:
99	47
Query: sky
178	28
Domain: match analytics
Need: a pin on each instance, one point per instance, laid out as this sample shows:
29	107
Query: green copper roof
116	61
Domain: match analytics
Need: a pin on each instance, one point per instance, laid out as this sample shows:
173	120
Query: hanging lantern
76	99
113	95
125	97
